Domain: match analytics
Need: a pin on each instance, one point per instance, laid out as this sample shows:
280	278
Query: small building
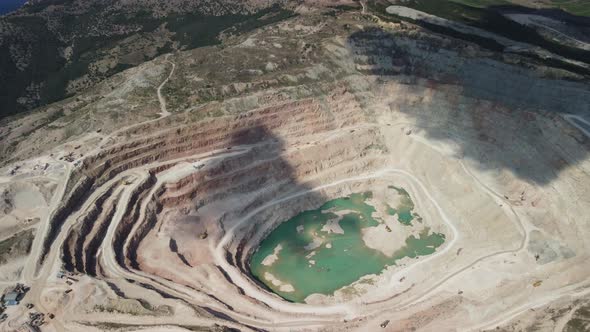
11	298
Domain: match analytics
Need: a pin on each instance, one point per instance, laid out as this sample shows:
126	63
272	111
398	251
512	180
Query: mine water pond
322	250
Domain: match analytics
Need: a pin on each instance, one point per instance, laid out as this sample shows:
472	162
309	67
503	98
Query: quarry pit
345	194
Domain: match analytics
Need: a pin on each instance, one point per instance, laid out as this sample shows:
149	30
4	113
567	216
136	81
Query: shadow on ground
503	115
277	177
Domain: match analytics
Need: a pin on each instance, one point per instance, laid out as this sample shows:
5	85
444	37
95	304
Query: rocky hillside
50	49
53	49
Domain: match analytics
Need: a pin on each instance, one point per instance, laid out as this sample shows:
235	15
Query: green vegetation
481	3
195	30
482	14
44	66
43	59
576	7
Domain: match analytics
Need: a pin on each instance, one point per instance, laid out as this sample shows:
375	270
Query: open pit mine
357	167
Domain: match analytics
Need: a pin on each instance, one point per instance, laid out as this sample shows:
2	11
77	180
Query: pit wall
161	152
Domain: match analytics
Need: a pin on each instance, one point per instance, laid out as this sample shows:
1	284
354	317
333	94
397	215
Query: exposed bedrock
85	230
182	207
184	142
173	210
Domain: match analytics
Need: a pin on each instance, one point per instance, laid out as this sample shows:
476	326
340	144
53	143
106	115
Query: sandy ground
172	212
270	259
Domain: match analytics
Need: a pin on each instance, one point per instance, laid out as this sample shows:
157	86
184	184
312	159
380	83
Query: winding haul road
345	311
163	109
305	315
110	264
112	268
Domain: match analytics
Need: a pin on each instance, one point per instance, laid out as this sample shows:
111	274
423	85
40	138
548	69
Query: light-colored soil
157	220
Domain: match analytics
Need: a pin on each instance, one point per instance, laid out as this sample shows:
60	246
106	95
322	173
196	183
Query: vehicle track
163	109
109	262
